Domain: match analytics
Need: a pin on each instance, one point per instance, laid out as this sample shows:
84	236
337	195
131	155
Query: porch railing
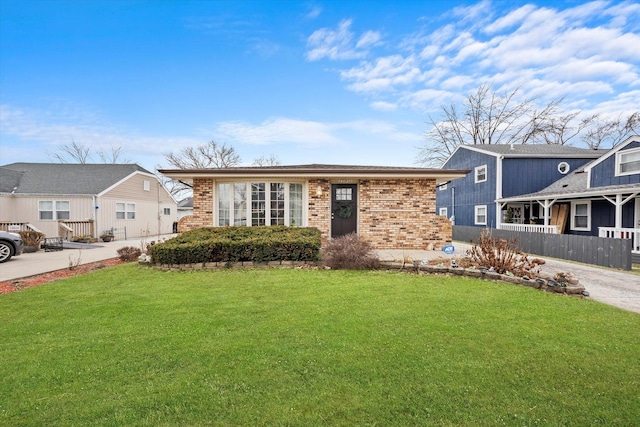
622	233
18	226
78	228
532	228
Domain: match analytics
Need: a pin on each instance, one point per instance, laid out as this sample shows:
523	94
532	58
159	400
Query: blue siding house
601	198
502	171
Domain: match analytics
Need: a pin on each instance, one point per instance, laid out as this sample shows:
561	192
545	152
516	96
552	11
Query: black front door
344	209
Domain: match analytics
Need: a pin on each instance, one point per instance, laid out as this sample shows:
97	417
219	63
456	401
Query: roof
63	178
534	151
187	202
316	171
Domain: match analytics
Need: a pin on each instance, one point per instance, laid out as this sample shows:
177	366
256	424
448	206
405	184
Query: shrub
351	253
230	244
503	255
32	238
129	253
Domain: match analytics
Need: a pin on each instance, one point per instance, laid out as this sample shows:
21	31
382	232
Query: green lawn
134	346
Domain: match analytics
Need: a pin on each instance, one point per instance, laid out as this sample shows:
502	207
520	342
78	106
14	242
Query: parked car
11	244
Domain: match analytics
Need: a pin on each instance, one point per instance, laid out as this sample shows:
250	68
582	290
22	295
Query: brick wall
401	214
320	207
202	206
392	213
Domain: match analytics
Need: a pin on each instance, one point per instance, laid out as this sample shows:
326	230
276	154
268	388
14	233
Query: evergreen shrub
232	244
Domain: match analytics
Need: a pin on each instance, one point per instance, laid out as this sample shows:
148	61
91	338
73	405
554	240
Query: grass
132	346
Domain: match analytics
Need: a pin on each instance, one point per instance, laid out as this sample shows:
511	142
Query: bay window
265	203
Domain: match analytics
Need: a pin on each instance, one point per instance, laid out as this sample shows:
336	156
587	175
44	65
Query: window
147	185
53	210
125	211
265	203
481	215
277	203
563	168
258	204
581	215
442	212
166	211
344	194
295	205
481	174
628	162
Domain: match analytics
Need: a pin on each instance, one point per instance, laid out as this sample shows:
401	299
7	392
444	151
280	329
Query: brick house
391	207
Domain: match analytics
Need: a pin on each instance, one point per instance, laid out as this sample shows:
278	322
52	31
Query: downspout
499	191
453	205
95	216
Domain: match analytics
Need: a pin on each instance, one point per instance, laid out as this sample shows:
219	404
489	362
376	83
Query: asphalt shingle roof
538	150
63	178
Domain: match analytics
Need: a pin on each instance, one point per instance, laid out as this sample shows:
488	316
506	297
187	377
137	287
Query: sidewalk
43	262
613	287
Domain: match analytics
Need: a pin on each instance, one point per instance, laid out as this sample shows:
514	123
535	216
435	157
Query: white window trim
443	212
619	155
573	215
475	174
475	214
54	204
146	185
126	211
166	211
287	218
566	166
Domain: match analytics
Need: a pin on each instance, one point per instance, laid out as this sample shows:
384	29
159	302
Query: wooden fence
605	252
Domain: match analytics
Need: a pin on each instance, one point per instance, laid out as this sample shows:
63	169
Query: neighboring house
66	200
391	207
185	207
601	198
502	171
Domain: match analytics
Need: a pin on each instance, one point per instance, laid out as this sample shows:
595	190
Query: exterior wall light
319	190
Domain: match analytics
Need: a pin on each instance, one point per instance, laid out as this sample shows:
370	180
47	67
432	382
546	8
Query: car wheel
5	251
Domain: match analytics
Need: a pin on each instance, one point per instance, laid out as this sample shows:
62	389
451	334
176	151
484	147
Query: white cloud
384	106
277	131
587	52
335	44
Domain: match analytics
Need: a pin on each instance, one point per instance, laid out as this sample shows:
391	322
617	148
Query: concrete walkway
613	287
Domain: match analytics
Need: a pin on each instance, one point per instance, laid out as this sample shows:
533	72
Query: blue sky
346	82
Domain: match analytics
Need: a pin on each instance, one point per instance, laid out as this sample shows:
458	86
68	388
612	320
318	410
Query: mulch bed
41	279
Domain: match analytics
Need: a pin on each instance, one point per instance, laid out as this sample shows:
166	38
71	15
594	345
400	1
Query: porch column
619	203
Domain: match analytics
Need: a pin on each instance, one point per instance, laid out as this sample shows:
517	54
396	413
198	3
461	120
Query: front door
344	209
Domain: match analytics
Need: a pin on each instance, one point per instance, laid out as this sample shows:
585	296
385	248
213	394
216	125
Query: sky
339	82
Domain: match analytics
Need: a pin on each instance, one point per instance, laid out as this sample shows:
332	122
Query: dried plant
503	255
350	252
129	253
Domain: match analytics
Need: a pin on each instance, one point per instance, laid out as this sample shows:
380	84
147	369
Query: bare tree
112	156
609	133
263	160
209	155
72	153
485	118
75	152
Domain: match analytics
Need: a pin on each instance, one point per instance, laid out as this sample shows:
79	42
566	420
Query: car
11	244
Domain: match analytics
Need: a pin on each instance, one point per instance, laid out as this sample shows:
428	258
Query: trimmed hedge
232	244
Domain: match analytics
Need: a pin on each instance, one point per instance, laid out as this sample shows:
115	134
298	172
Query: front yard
134	346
